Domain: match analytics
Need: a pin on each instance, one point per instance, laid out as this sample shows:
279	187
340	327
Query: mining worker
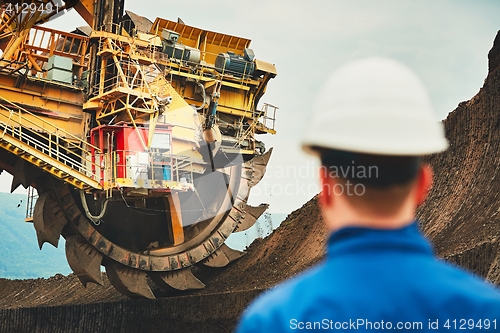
372	123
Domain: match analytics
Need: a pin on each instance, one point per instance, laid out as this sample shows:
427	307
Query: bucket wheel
155	237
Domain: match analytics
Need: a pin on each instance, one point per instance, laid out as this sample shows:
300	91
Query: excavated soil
461	217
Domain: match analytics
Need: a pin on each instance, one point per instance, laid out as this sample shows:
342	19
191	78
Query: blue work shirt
374	280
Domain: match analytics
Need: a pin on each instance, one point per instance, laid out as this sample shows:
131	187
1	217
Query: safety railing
129	77
178	65
180	163
267	116
53	42
179	61
42	43
152	166
126	74
48	139
263	119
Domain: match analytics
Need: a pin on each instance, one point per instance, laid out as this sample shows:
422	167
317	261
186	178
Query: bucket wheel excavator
136	139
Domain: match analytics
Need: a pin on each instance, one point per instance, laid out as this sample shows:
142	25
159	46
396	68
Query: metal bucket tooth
252	213
264	158
84	260
24	174
245	183
128	281
223	256
252	173
48	219
182	279
259	165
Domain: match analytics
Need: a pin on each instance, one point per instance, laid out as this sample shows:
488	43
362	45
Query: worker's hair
381	183
375	171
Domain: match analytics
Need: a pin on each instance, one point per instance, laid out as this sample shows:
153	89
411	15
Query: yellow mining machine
136	139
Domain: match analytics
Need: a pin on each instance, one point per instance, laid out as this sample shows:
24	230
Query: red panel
120	154
127	143
132	141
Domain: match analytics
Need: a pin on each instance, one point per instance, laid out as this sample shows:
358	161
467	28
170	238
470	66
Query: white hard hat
375	106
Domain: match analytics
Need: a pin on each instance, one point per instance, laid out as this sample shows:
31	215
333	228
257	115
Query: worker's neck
343	215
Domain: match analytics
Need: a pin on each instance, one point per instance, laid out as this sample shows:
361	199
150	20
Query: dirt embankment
57	290
462	214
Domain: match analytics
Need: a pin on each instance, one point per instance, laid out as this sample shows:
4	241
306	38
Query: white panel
161	141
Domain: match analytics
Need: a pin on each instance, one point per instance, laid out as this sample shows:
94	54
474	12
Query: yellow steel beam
33	62
176	231
237	151
262	129
119	92
41	92
86	10
233	111
129	40
16	40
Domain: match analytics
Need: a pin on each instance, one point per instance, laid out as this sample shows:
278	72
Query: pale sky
445	41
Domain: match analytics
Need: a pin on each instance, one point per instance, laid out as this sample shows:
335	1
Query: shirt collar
361	239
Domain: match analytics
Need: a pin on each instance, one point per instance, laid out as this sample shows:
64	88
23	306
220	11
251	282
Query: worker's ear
424	183
326	195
